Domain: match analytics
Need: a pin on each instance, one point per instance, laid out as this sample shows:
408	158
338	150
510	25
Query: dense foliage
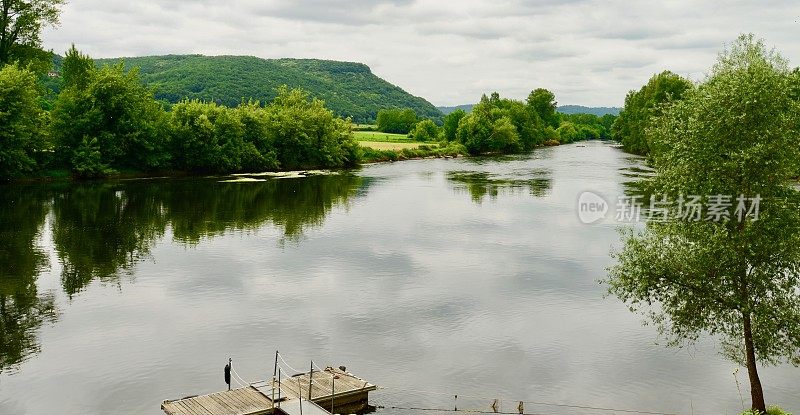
396	120
21	24
349	89
425	130
501	125
737	276
589	126
21	122
643	105
543	102
104	120
450	123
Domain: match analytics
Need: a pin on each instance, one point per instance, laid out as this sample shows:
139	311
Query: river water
430	278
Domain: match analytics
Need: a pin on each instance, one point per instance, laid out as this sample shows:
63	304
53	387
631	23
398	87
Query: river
430	278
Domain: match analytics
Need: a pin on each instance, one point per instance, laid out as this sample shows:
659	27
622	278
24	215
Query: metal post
228	369
300	396
275	370
310	377
333	389
279	388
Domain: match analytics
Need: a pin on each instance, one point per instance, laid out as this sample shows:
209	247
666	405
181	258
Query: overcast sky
588	52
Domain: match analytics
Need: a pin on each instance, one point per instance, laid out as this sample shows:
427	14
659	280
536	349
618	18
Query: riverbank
368	156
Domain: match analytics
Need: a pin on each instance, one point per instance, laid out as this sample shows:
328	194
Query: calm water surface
430	278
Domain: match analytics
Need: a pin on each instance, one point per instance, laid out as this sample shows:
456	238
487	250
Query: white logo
591	207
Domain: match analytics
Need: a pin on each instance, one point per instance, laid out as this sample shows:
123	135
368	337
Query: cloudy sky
588	52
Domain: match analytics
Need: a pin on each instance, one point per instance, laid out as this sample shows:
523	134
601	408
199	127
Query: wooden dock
329	389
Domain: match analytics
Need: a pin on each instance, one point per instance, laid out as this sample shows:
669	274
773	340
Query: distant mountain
579	109
349	89
566	109
447	110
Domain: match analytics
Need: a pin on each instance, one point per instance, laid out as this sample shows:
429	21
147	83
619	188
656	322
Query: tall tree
643	105
21	122
21	24
76	69
543	102
106	119
734	276
451	121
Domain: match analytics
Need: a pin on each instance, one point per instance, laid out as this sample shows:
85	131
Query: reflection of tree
22	309
101	229
208	209
482	184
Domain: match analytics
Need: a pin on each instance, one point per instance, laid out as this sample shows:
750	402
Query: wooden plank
208	404
184	409
193	408
212	406
231	401
237	400
197	407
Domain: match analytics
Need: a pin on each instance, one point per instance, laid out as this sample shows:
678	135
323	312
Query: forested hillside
349	89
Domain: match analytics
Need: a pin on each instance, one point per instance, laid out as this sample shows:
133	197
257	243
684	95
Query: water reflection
101	230
483	184
292	205
22	308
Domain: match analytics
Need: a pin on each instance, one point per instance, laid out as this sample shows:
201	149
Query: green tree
21	122
21	24
486	130
737	278
642	105
258	153
543	103
76	69
307	134
396	120
425	130
206	137
567	133
110	111
450	127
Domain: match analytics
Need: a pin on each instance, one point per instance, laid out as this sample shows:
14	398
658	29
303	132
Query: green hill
349	89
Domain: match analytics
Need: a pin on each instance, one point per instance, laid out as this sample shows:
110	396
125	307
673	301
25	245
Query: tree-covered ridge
349	89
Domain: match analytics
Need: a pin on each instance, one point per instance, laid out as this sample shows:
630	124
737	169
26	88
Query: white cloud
588	52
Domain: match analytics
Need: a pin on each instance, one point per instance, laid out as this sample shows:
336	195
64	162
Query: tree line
501	125
105	120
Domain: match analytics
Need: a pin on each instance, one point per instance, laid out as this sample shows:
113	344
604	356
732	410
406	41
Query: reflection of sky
412	286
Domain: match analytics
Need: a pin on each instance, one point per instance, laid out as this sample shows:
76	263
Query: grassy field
382	137
383	145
